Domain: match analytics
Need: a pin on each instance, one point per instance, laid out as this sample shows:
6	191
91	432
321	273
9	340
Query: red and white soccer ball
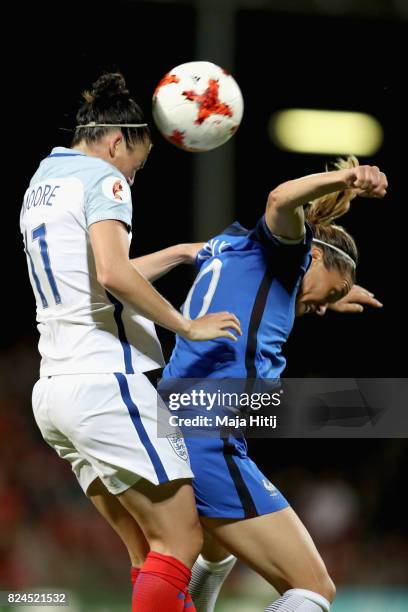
198	106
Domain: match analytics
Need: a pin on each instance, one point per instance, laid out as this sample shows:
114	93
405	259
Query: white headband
129	125
331	246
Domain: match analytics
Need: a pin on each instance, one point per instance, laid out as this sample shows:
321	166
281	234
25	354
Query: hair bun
109	85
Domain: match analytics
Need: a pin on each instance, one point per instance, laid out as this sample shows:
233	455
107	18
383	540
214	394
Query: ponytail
321	213
327	208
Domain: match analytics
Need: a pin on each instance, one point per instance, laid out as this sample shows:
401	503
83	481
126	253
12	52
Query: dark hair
109	101
321	213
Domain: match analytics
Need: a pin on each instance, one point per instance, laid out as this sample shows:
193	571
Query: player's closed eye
335	296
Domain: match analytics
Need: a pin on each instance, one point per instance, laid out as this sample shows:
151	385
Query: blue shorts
227	483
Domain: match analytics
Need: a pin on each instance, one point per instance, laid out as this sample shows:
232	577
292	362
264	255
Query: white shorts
105	425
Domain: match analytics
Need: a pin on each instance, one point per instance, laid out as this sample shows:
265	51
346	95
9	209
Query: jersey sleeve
271	243
107	196
288	260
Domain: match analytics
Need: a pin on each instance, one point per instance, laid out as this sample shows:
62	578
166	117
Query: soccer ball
197	106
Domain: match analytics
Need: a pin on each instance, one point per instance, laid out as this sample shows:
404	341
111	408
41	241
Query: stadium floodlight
326	131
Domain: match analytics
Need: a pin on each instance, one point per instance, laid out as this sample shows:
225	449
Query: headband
331	246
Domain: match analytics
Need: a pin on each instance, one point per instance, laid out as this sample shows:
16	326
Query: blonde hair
327	208
320	214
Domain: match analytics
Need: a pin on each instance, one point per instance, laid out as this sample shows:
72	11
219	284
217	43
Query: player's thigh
120	520
278	547
111	420
167	515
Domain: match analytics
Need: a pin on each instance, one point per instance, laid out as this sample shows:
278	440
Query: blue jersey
254	275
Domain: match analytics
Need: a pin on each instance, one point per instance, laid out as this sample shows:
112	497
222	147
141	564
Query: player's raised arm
156	265
116	273
284	211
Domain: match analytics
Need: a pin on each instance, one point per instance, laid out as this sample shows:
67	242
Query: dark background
347	62
281	60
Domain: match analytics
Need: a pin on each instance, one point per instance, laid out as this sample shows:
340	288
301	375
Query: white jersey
83	329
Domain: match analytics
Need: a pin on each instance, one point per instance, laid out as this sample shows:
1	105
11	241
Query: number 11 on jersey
40	234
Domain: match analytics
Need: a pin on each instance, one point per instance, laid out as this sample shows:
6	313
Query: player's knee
325	587
329	589
183	542
318	581
192	539
190	543
196	538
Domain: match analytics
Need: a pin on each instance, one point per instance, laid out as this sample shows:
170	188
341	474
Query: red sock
161	585
188	604
134	572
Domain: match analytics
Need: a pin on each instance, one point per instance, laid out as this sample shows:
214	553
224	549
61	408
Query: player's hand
215	325
355	300
367	181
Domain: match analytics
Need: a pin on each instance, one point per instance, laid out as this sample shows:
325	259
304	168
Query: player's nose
321	309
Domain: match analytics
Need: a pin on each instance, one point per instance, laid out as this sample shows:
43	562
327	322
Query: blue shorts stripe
243	492
227	483
142	433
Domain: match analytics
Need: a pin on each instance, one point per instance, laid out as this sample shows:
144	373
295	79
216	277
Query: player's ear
317	255
114	144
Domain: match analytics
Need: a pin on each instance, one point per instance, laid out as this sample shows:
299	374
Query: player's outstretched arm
284	210
109	240
155	265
